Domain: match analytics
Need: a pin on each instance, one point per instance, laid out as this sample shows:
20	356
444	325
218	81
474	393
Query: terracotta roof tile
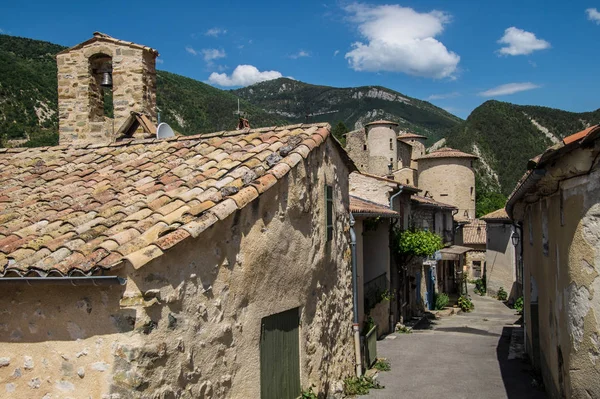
499	214
361	206
475	232
382	122
404	136
426	201
447	152
69	208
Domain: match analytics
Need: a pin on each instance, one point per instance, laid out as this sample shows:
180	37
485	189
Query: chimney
100	83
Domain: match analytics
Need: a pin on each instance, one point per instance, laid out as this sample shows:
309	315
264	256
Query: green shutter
329	211
280	356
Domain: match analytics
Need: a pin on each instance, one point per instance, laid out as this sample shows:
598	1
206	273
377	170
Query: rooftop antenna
243	122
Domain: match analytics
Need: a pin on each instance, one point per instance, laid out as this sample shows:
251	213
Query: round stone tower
447	176
382	146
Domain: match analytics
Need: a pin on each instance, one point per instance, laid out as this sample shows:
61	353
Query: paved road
460	356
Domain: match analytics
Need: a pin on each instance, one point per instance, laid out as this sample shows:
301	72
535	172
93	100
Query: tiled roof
569	143
404	136
90	207
475	232
382	122
499	214
99	36
426	201
447	152
361	206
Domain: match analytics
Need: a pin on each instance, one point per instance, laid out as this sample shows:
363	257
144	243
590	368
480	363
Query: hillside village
272	261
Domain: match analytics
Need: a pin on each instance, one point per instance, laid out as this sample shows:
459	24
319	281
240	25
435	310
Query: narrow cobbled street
468	355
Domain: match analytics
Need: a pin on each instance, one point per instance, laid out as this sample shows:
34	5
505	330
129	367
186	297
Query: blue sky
447	52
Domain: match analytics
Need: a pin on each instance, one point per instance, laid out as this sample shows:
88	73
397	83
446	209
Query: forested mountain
506	136
354	106
29	102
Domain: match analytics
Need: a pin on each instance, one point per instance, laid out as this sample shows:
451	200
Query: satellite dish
164	131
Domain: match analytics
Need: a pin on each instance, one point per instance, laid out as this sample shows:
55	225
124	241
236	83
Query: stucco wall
376	250
451	181
564	280
187	324
406	176
500	259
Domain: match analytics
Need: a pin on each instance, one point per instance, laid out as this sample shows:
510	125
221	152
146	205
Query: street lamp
515	238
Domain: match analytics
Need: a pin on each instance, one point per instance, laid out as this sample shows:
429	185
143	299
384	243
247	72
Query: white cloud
400	39
336	52
160	61
211	54
443	96
215	32
509	88
300	54
243	75
520	42
593	15
191	50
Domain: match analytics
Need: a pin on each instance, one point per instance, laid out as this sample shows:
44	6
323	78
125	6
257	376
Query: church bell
106	80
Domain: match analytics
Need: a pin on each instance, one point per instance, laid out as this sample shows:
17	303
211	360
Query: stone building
179	267
425	276
474	236
447	175
100	82
502	267
377	230
374	149
557	204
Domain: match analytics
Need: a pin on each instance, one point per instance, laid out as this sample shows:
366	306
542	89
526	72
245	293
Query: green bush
480	287
465	304
382	365
518	306
309	394
421	243
441	301
360	386
502	295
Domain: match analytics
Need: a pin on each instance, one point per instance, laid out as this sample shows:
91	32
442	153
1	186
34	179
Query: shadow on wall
58	313
517	374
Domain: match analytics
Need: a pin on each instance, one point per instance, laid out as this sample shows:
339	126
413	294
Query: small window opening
364	147
329	211
101	87
391	145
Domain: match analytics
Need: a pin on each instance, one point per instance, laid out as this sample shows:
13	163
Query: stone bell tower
100	83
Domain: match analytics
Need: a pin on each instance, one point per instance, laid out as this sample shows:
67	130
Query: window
364	147
391	144
443	195
329	211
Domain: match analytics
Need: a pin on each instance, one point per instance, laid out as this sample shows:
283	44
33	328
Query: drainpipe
393	275
355	299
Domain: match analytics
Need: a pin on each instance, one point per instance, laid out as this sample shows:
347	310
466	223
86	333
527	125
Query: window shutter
329	212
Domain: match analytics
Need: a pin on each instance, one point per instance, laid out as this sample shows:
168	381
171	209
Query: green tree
417	243
338	132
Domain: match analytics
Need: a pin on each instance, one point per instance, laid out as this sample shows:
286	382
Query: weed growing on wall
360	385
502	294
465	303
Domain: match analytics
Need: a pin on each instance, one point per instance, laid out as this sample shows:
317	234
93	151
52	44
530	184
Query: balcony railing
373	290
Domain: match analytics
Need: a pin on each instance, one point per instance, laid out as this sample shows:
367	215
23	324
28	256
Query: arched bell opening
101	88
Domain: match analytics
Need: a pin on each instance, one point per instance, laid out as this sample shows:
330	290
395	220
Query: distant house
214	265
425	277
502	264
474	236
557	204
371	197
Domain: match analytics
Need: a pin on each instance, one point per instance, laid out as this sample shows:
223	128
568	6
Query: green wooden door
280	356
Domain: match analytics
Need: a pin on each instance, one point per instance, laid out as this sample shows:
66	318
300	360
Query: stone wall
80	104
382	148
561	248
450	181
356	147
406	176
369	188
418	150
187	324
